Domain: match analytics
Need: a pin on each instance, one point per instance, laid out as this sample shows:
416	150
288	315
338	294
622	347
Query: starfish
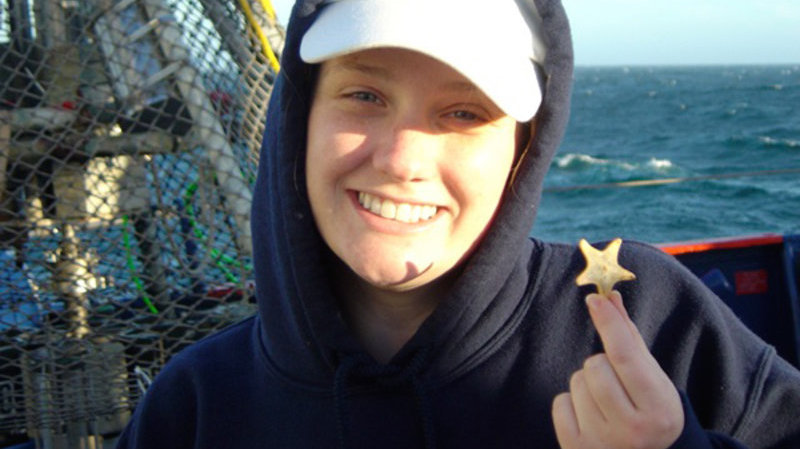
602	268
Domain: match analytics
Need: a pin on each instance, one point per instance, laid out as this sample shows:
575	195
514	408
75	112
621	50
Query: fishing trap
129	139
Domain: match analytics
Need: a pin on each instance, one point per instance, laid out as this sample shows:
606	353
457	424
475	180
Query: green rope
126	241
219	259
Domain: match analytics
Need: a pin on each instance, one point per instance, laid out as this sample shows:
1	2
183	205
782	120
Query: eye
365	96
468	116
465	115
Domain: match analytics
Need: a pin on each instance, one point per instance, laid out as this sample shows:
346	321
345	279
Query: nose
406	154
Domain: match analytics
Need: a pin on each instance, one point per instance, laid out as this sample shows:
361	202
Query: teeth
388	210
404	212
373	204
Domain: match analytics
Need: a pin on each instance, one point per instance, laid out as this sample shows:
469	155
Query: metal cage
129	137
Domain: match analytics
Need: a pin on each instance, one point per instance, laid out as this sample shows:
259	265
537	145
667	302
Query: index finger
627	352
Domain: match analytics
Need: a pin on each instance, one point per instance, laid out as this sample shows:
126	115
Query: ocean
724	127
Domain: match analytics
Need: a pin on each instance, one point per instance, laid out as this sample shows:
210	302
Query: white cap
490	43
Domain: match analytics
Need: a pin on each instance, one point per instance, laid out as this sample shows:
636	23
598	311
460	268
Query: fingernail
592	361
593	300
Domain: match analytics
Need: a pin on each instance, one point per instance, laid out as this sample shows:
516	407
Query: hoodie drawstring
362	368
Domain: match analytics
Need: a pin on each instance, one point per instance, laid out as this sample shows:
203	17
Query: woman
401	302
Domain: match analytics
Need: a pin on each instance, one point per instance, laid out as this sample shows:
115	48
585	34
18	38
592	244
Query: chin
398	278
402	275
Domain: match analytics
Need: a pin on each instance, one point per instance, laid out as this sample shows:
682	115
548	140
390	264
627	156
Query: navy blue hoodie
483	369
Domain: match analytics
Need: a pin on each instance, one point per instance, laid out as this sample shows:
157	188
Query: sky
676	32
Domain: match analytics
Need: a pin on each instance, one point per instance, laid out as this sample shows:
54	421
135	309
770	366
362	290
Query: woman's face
407	161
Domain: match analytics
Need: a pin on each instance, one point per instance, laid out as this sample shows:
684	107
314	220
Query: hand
621	398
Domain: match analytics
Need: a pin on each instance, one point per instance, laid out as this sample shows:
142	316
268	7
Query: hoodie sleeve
733	384
695	437
770	418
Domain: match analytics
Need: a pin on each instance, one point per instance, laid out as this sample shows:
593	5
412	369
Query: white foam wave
660	164
771	141
572	159
569	160
577	161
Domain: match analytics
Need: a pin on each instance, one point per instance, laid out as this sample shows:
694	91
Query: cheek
482	180
334	148
484	174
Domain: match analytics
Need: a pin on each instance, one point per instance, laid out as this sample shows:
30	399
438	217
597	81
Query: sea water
646	123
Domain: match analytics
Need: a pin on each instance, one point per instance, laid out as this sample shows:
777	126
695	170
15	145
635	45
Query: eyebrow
461	86
353	64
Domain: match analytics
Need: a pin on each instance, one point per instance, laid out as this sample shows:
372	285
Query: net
129	138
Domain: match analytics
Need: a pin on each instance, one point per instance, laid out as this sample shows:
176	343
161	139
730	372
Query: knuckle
637	433
638	425
595	361
622	358
668	424
647	431
636	441
576	381
561	402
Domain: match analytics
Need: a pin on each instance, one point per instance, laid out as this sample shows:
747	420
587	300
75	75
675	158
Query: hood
301	329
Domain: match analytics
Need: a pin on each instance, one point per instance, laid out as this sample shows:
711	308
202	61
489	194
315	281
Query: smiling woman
409	141
393	133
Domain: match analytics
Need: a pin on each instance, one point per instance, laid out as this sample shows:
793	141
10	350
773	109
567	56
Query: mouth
390	210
